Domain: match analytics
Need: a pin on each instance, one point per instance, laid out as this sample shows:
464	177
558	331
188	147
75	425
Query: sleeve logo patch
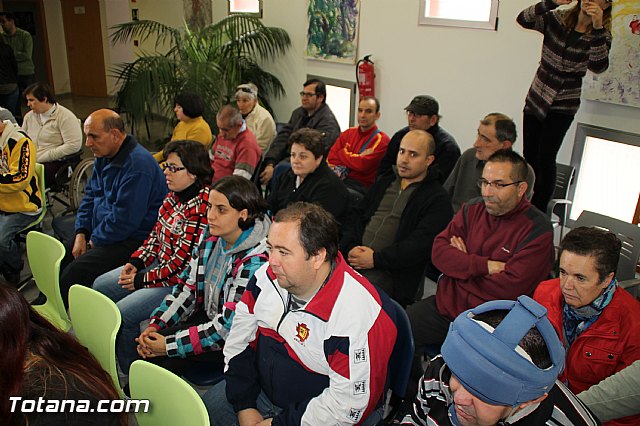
360	387
354	414
359	356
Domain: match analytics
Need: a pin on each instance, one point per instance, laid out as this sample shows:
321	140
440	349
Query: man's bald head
105	133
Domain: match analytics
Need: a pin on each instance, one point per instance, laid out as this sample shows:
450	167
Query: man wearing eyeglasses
423	114
496	131
313	113
496	247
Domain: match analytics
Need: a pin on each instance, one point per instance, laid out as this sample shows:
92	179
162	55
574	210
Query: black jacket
322	120
322	187
447	151
427	213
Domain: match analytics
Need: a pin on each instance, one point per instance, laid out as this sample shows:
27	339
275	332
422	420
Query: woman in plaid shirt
139	286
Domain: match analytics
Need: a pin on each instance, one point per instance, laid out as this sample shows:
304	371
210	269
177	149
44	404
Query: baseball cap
423	104
489	362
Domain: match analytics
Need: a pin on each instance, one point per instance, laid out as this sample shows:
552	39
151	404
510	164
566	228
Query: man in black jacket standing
388	236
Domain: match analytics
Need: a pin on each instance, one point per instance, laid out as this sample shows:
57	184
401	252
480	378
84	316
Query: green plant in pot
210	61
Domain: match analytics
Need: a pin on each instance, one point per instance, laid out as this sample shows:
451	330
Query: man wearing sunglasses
496	247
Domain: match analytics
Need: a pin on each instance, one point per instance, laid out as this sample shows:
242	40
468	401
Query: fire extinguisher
365	76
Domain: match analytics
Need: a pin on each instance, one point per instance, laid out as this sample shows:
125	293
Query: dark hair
40	91
191	103
311	139
602	245
9	16
26	338
318	228
321	89
519	169
569	17
230	115
371	98
194	157
504	125
242	194
533	343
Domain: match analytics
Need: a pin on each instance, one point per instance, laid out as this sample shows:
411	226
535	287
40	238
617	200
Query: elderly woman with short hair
258	119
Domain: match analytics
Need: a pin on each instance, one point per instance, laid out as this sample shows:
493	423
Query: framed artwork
332	33
620	84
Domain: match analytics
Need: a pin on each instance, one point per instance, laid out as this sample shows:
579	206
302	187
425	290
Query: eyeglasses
483	183
172	168
308	94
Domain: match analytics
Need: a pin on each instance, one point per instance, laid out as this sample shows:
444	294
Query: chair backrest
564	176
628	233
45	254
172	400
96	320
43	197
402	355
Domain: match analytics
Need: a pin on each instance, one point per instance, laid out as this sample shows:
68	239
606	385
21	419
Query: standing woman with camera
576	39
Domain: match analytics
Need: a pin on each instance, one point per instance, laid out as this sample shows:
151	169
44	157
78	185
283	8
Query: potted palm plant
210	61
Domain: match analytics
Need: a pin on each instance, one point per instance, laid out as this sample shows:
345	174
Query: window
251	7
481	14
608	176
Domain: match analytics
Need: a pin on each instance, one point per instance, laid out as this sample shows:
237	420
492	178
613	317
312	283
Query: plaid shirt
172	240
558	81
188	297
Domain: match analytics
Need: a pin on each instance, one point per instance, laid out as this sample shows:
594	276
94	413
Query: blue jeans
9	101
10	254
221	411
135	307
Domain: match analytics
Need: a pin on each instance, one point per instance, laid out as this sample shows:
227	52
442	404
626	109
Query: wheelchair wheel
79	180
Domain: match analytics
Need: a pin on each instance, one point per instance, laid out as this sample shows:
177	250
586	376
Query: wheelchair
70	181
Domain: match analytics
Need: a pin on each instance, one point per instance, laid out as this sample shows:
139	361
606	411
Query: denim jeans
135	307
10	254
221	411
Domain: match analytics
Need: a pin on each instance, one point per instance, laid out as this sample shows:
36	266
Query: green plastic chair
96	320
172	401
45	254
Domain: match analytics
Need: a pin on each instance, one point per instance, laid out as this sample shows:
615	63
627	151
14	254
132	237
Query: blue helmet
489	363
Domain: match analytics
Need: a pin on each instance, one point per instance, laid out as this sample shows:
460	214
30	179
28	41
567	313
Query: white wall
470	72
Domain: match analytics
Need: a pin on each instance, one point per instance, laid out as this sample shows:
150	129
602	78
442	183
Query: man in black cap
422	114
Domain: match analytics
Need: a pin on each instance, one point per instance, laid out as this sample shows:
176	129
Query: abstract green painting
333	30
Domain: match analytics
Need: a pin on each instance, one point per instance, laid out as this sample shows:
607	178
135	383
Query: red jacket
521	238
606	347
346	152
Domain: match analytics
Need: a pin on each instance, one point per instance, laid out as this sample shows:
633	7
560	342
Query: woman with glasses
189	108
139	286
258	119
576	39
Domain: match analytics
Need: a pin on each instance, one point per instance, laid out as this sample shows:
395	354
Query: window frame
232	11
491	24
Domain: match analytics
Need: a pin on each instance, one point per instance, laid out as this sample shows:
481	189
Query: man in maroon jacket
496	247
